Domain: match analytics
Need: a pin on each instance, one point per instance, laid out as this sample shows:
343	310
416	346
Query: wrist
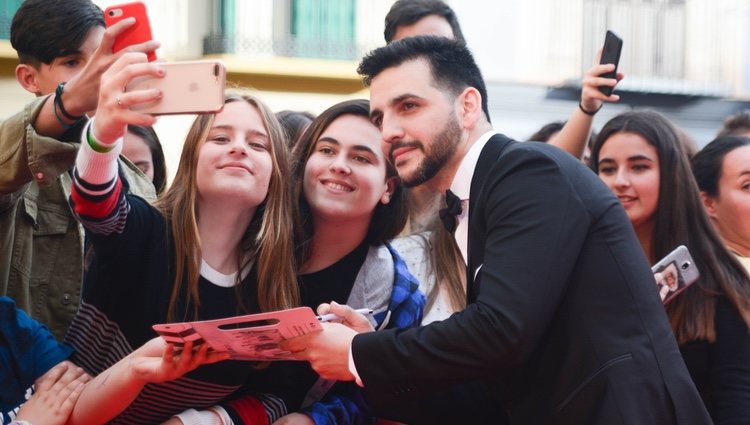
588	112
195	417
68	98
94	143
66	110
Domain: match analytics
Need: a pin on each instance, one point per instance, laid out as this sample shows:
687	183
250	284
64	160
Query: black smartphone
610	54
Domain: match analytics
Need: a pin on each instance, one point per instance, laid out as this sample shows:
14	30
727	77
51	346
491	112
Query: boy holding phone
62	65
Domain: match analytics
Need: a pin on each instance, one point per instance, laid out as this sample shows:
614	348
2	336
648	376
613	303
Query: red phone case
140	32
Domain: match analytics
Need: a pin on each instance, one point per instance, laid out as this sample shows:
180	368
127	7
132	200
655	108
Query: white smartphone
188	87
678	271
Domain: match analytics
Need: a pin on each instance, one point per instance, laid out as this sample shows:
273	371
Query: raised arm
573	136
81	93
29	145
96	194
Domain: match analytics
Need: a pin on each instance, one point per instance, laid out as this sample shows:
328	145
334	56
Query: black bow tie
449	215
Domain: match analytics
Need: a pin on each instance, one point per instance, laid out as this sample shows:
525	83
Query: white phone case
680	266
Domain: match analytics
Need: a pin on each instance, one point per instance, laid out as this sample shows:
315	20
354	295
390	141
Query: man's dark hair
407	12
452	65
43	30
736	125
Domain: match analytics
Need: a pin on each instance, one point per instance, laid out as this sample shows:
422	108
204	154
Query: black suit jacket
563	319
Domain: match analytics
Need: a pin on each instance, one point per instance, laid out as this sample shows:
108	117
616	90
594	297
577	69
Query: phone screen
610	54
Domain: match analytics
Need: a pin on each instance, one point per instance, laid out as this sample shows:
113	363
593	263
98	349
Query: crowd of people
509	282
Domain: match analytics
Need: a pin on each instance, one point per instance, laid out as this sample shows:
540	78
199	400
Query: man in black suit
562	316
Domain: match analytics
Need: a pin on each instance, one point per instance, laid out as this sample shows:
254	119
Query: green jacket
41	243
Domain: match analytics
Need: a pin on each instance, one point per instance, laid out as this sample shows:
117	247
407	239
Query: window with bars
323	29
298	28
7	10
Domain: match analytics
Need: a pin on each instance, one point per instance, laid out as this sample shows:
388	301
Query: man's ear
470	107
709	203
390	183
27	78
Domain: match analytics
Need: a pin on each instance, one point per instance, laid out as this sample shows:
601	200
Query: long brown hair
680	219
448	266
268	239
387	220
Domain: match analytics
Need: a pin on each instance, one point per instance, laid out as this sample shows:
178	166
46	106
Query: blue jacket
27	351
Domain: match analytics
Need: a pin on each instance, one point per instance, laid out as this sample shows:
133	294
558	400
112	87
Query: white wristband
225	418
194	417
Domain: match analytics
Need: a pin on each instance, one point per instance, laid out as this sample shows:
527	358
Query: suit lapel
490	153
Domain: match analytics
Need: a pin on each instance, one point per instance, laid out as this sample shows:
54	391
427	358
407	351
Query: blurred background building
686	58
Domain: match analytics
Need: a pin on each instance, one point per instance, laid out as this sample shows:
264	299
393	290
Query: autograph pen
331	317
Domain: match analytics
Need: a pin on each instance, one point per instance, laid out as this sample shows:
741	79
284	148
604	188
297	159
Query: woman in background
639	155
722	170
142	147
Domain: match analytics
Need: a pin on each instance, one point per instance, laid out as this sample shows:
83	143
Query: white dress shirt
461	187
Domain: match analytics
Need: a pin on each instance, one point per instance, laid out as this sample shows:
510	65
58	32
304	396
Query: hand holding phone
675	273
139	33
610	54
188	87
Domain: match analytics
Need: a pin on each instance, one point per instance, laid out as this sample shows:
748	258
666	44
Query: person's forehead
409	76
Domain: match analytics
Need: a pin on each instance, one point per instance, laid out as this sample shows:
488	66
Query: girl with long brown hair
219	242
640	157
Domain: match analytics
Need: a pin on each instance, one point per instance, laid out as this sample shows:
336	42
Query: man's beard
441	151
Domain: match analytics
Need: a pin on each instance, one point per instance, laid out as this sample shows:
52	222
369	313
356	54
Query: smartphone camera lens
114	13
685	265
216	70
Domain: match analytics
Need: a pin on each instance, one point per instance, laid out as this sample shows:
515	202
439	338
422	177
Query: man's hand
56	394
348	316
328	351
156	360
82	91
